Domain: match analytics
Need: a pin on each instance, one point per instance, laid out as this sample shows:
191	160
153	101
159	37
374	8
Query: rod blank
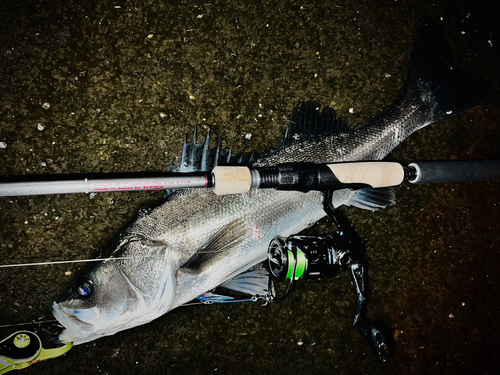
456	171
65	184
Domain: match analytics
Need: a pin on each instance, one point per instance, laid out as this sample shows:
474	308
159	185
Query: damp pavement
114	86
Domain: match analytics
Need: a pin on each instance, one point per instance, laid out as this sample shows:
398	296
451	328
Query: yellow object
23	348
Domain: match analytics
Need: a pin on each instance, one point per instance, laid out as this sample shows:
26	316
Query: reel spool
302	257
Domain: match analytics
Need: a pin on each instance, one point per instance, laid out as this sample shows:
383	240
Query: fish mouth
75	330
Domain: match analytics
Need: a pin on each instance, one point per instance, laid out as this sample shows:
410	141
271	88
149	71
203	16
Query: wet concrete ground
127	80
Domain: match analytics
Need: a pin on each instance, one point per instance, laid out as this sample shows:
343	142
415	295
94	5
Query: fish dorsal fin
221	242
200	157
310	121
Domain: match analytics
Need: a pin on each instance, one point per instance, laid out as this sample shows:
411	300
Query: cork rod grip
376	174
231	180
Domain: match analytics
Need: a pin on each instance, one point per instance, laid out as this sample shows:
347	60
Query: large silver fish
196	241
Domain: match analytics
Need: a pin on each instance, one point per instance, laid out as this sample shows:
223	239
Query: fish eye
84	287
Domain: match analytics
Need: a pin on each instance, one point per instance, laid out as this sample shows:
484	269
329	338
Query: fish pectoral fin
254	282
221	242
367	199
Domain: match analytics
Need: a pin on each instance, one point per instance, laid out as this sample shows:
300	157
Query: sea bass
196	241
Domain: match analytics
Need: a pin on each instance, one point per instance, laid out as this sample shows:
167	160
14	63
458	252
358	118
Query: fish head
98	303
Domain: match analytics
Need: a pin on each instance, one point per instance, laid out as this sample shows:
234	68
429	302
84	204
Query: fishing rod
240	179
292	258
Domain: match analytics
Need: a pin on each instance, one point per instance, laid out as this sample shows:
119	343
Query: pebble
3	145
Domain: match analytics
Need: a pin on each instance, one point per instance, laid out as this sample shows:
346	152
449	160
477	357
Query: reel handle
378	341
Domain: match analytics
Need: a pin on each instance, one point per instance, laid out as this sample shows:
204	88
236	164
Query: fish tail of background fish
435	88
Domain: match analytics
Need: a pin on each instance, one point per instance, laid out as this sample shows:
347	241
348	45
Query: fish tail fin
434	74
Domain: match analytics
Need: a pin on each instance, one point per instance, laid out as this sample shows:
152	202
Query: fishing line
29	324
85	260
75	261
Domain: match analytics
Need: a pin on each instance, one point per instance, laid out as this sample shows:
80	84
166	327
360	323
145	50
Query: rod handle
305	177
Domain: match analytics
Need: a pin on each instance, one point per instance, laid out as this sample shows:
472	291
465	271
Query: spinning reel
315	257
